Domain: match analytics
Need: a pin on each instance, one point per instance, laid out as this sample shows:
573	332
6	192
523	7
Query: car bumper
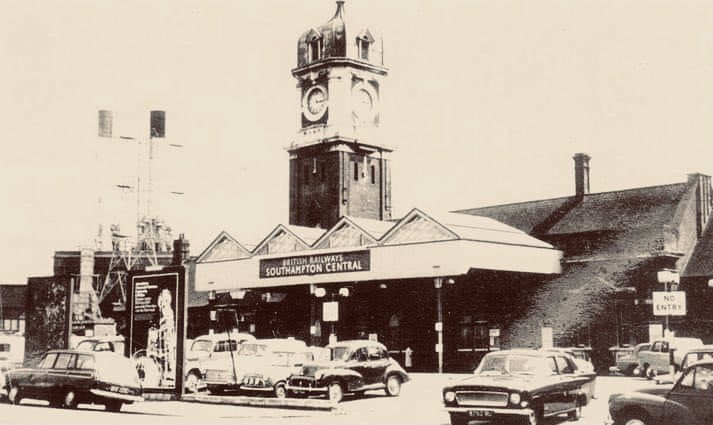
306	390
115	396
490	413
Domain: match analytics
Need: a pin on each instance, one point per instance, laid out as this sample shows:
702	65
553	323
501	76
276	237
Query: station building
440	290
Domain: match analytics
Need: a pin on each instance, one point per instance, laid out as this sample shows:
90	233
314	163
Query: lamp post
330	309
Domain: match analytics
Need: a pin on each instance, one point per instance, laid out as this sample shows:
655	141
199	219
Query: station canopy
356	249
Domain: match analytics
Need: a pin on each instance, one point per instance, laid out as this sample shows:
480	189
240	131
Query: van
665	354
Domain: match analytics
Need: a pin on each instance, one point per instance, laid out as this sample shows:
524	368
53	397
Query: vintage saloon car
689	401
351	367
66	378
210	348
522	385
261	366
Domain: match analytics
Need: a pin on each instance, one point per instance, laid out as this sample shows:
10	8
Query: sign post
669	305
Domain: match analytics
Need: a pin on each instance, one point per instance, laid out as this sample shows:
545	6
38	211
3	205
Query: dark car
66	378
689	401
524	386
352	367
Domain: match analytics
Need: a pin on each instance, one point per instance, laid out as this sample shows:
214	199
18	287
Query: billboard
156	308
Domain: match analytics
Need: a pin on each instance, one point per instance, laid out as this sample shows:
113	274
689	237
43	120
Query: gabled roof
286	238
344	233
224	247
376	228
416	226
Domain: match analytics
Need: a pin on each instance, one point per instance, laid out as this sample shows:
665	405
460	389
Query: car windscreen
288	358
86	345
513	364
201	345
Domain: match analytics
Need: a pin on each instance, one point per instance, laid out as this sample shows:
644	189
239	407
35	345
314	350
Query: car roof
224	335
524	351
357	343
290	344
703	349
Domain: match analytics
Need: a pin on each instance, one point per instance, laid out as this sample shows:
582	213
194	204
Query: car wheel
458	419
14	395
636	418
651	373
335	392
113	405
193	381
393	385
630	371
280	390
69	401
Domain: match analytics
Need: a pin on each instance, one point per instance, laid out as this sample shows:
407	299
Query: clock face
363	103
314	103
364	106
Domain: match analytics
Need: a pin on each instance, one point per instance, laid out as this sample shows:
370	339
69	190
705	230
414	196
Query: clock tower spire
339	165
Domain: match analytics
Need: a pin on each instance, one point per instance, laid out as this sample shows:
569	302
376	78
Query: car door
691	399
378	360
359	362
570	383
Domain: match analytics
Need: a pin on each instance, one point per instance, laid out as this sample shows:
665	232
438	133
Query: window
360	355
704	378
375	353
373	175
315	49
563	365
356	171
4	348
222	346
473	334
85	362
48	361
363	47
65	361
687	381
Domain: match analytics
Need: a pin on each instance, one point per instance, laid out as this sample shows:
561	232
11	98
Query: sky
485	103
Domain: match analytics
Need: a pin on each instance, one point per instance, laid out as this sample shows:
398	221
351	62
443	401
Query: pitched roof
522	215
648	207
700	263
618	210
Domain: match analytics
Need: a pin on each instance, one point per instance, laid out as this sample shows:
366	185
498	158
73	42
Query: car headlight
515	398
449	396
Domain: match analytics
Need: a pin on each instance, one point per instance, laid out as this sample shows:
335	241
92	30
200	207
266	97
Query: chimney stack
581	173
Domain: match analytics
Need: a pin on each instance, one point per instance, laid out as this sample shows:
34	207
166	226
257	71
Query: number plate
480	413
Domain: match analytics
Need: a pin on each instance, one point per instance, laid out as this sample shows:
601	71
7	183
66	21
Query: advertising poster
156	326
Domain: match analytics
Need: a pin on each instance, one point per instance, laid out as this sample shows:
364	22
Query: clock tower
338	164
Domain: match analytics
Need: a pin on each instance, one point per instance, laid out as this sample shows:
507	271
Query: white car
207	348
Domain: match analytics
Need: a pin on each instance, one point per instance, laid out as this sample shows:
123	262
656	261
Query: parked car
206	348
225	373
352	367
689	401
517	385
264	365
113	343
583	366
66	378
694	355
665	354
12	354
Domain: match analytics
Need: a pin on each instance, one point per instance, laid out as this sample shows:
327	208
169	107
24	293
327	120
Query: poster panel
156	326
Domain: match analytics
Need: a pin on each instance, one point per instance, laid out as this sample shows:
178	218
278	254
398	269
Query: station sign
671	303
300	265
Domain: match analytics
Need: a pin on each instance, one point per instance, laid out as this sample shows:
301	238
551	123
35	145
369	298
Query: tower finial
339	14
